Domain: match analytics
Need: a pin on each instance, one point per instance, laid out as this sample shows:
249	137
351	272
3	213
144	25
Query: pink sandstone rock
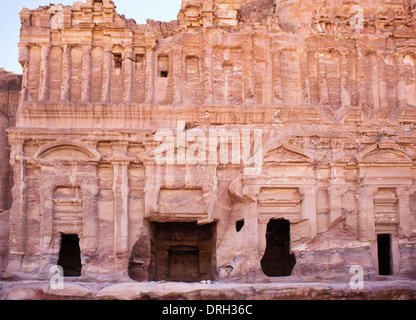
10	84
246	142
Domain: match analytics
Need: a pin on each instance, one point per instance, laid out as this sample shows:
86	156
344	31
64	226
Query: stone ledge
376	290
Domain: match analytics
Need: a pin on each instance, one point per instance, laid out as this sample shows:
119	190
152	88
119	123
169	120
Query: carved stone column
128	76
46	226
207	74
252	231
254	239
90	228
335	196
403	209
401	81
308	208
268	78
323	82
44	73
277	81
66	74
106	84
18	222
248	84
361	96
382	81
345	96
120	164
153	179
177	74
150	70
24	53
366	224
86	75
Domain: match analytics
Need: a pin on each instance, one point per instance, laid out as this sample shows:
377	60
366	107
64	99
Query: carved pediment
66	151
386	156
286	154
384	153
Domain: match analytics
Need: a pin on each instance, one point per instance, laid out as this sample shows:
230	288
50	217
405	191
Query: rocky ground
277	290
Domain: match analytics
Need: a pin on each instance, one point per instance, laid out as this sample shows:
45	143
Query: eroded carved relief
325	91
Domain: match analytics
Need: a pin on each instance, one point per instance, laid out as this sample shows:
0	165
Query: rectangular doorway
184	251
384	254
70	255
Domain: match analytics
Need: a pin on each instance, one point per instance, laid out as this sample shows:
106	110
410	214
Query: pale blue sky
139	10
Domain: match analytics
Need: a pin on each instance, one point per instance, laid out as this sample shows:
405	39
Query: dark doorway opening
70	255
384	254
239	225
118	61
184	251
141	264
277	260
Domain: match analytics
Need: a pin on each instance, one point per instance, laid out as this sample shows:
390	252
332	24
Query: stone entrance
384	254
184	251
70	255
277	260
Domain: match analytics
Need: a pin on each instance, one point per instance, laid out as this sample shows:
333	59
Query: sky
139	10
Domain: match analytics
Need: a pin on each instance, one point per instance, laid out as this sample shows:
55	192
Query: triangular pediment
286	154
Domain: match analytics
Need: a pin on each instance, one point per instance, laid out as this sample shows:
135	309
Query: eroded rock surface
201	144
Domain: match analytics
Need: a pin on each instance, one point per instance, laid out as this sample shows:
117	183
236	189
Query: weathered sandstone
10	84
294	131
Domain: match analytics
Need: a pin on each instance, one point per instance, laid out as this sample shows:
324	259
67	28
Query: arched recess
67	151
383	152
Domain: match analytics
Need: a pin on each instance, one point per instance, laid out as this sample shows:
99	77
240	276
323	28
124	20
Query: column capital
337	190
44	45
66	47
87	48
86	74
23	53
107	49
405	191
309	191
365	191
129	53
44	73
116	161
90	190
16	153
16	142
